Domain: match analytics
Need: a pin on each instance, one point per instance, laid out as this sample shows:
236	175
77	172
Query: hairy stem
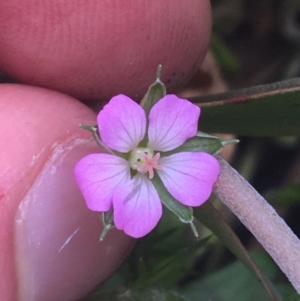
261	219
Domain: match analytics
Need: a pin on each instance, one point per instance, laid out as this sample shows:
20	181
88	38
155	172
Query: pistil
150	164
144	161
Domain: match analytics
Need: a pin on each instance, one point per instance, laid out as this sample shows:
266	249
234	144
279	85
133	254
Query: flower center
144	160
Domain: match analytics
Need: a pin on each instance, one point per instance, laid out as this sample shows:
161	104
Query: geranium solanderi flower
122	180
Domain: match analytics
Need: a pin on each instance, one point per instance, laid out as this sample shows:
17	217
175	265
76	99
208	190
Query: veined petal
172	121
97	176
122	124
137	207
189	177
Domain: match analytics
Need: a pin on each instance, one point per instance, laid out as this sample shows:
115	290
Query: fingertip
52	249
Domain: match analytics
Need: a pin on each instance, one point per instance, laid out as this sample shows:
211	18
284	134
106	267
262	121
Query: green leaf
173	297
202	142
155	294
162	258
184	213
166	270
212	219
155	92
267	110
225	58
234	282
294	297
285	196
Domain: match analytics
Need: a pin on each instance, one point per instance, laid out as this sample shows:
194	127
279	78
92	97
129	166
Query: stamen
150	164
144	161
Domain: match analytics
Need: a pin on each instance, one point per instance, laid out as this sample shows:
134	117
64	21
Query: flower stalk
261	219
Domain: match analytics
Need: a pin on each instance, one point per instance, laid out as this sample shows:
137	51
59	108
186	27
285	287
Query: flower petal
122	124
189	177
97	176
137	207
172	121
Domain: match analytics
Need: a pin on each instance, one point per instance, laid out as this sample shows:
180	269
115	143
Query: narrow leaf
213	220
266	110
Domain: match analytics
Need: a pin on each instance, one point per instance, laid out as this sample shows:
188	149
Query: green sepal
155	92
184	213
91	128
94	130
202	142
108	223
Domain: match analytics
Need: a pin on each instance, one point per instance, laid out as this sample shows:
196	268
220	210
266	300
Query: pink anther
150	164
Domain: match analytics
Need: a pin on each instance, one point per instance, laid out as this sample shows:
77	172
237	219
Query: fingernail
58	253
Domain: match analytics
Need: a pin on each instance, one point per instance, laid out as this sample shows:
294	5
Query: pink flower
124	181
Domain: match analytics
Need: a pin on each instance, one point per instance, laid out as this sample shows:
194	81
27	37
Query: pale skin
39	198
44	223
